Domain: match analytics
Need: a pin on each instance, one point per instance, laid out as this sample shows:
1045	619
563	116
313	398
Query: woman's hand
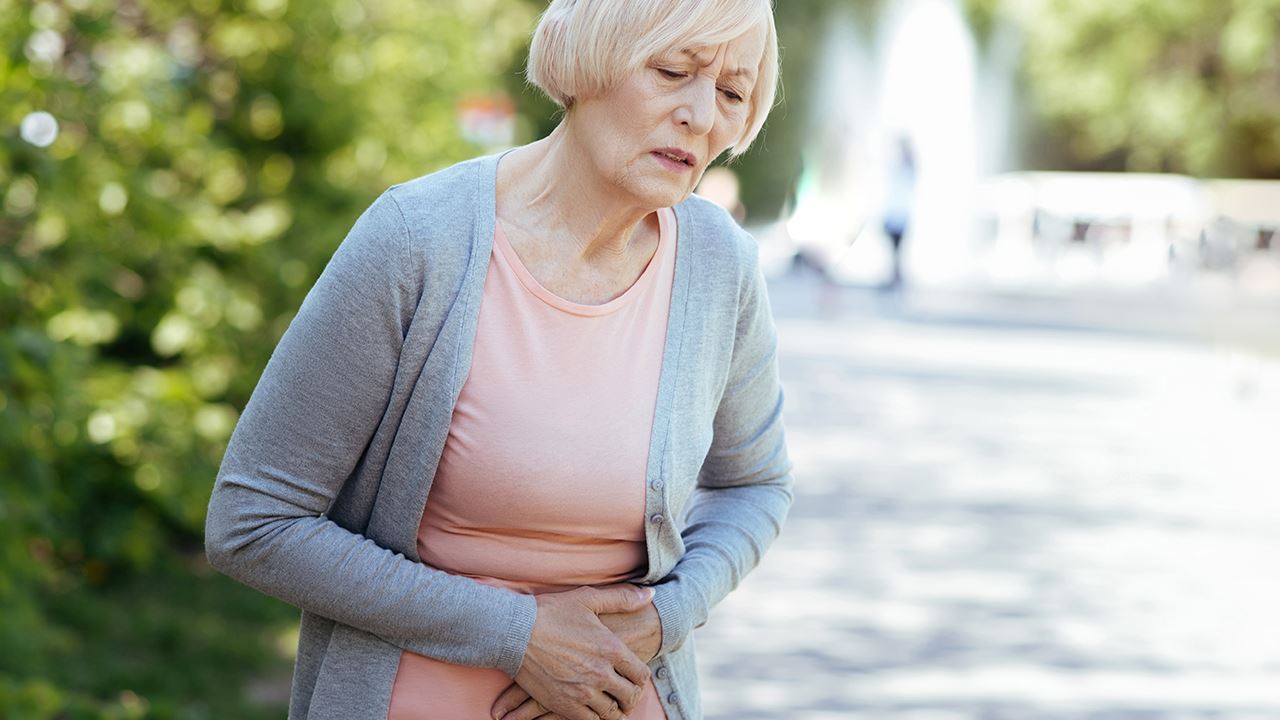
575	667
639	629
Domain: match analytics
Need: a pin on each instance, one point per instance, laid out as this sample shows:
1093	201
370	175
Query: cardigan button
672	698
656	484
656	518
662	673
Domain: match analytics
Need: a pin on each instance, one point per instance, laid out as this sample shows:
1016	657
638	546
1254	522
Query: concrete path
1010	520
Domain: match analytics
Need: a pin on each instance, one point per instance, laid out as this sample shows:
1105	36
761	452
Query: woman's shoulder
444	191
714	232
438	214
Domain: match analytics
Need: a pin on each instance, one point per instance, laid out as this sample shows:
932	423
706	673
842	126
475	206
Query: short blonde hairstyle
583	47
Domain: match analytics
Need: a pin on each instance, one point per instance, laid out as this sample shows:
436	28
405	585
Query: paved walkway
1005	521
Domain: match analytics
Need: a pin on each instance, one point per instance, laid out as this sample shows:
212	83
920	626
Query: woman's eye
732	95
673	74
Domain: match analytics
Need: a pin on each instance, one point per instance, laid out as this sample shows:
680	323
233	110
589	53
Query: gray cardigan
320	492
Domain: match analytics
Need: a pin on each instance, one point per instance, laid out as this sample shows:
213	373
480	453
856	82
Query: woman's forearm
743	490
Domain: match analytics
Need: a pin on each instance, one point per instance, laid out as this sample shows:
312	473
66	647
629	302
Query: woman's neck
544	193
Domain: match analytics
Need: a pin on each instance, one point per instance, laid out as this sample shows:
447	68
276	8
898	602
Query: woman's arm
743	489
306	425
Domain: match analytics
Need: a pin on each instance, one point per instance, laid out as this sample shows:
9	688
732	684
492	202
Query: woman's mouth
674	158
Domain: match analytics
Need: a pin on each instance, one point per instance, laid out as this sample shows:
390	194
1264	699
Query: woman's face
651	137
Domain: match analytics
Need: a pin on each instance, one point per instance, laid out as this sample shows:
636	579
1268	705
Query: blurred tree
172	179
1184	86
768	172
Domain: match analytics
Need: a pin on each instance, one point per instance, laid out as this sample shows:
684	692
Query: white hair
584	47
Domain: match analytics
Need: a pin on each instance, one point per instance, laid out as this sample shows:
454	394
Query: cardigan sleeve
744	487
305	428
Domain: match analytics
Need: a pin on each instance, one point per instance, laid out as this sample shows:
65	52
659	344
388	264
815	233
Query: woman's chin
659	195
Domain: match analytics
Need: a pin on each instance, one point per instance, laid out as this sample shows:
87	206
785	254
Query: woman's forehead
742	54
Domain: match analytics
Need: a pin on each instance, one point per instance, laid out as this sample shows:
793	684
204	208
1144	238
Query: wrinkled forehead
739	57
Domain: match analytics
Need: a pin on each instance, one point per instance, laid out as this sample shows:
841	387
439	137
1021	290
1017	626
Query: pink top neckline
536	288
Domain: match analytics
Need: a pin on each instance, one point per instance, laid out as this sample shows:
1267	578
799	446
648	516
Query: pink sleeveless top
540	485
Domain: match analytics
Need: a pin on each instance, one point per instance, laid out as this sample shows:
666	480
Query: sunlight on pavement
1012	523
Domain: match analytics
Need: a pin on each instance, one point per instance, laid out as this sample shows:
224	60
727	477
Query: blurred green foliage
209	158
1189	86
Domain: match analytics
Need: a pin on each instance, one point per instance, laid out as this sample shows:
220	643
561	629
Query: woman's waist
532	563
423	684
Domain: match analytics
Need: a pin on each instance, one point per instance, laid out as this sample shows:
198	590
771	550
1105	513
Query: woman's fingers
640	630
515	704
619	598
631	668
527	710
624	692
607	708
508	700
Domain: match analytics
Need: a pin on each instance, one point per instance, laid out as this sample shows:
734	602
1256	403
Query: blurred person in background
525	430
900	190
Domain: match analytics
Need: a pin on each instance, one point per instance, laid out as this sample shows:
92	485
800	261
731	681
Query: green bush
209	158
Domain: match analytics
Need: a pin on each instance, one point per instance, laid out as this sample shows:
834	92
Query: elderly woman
525	430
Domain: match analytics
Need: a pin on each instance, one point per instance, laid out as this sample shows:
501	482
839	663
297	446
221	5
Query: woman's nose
698	110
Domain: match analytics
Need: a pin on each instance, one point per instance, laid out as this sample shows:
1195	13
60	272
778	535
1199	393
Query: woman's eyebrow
747	72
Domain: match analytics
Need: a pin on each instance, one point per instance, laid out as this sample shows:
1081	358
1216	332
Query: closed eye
730	93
